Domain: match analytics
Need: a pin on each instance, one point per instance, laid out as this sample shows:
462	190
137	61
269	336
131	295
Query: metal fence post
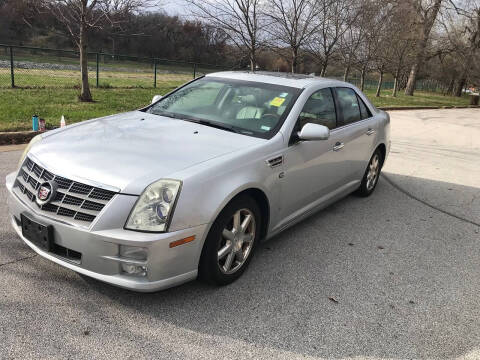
155	73
194	69
97	58
11	67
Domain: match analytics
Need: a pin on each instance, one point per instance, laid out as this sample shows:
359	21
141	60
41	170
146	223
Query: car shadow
380	277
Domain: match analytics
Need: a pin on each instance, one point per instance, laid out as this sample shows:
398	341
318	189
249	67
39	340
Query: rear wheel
231	242
372	173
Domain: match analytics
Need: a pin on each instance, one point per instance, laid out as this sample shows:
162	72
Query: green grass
18	105
420	99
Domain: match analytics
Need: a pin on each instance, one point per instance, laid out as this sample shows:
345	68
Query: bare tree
332	21
463	31
291	24
378	37
349	45
80	16
396	44
370	23
239	19
425	14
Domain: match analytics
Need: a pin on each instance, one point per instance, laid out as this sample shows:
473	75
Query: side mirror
312	131
156	98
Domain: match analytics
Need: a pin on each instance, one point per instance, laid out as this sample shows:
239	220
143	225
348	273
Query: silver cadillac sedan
188	186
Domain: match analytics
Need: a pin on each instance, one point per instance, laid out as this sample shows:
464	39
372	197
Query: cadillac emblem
46	192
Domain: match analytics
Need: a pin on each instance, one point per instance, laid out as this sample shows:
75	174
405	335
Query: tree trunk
395	83
380	82
422	45
323	72
449	89
395	86
362	80
403	83
346	73
253	58
294	60
85	94
412	79
459	88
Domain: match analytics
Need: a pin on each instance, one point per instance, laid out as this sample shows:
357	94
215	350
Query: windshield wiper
212	124
167	114
199	121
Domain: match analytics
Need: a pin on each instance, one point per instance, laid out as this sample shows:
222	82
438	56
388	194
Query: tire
367	186
228	249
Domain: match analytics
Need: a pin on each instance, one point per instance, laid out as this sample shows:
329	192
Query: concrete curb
16	137
23	137
392	108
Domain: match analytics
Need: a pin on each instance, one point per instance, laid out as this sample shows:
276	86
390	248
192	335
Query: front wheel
370	178
231	242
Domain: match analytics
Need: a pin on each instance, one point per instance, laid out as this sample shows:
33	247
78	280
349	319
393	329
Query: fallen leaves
332	299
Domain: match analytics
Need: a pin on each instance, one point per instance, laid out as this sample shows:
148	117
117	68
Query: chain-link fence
428	85
30	67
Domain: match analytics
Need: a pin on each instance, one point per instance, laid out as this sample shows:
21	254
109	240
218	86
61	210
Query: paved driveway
403	267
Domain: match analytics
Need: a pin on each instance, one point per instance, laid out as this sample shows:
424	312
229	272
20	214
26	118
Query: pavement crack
17	260
410	195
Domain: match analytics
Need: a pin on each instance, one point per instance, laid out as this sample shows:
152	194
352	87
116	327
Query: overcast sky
174	7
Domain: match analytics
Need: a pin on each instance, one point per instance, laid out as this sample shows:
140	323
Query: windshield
246	107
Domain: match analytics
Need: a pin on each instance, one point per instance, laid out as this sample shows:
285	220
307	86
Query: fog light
133	252
134	269
133	260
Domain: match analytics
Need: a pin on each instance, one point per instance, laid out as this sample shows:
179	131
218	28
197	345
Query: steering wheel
267	117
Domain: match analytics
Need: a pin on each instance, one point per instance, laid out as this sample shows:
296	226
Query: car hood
131	150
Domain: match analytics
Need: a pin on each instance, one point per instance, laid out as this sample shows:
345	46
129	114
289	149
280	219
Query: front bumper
99	246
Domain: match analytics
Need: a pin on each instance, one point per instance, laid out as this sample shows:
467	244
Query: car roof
279	78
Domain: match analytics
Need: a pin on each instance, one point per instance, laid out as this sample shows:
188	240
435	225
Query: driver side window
319	109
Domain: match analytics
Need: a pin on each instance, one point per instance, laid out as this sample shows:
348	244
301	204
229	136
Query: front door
313	169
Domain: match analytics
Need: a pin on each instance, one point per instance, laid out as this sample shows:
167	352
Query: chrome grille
76	202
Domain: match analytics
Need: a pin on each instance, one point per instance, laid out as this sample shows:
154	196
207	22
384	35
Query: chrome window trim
351	124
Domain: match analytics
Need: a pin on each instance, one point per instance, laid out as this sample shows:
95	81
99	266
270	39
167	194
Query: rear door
357	128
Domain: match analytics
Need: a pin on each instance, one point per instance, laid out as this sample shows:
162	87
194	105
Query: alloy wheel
373	170
237	241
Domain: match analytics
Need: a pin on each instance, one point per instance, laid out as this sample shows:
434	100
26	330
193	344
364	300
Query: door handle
370	132
338	146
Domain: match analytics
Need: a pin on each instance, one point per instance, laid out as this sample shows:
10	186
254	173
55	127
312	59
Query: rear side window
319	109
364	112
348	103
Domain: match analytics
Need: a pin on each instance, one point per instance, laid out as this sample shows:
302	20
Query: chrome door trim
351	124
338	146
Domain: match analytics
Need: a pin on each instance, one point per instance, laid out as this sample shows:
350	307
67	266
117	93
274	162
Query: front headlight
34	140
154	208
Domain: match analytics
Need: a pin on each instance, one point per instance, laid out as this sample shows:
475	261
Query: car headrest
250	112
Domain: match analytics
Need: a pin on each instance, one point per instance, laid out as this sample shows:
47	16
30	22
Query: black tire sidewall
208	269
362	190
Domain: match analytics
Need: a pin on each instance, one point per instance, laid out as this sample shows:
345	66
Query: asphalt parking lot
392	276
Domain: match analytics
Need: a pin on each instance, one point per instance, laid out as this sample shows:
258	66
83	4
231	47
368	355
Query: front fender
209	187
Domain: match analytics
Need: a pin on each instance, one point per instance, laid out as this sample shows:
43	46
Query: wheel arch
383	150
261	199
